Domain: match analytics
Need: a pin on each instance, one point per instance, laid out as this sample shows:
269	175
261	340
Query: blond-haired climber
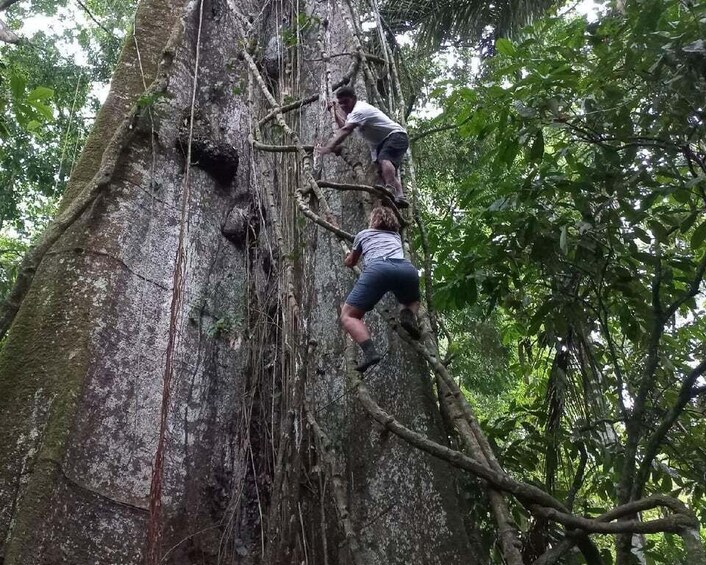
384	270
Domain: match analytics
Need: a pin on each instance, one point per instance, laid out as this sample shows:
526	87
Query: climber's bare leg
387	173
352	321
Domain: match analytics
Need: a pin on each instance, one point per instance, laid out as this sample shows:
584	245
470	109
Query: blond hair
382	218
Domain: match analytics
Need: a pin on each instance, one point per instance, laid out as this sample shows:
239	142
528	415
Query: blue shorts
393	148
381	276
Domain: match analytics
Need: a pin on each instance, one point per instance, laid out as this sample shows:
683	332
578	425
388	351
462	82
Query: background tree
47	106
571	206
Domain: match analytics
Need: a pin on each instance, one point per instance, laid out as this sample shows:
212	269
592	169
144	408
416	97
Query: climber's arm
340	117
352	258
339	138
338	114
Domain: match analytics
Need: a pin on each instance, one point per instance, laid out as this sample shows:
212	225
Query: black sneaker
409	322
401	202
368	361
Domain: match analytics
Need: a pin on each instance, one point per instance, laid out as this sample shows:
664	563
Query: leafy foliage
47	105
569	201
454	22
31	134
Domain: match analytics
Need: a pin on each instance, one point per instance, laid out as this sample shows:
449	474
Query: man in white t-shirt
387	139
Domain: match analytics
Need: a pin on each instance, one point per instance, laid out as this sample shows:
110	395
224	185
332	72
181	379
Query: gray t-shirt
378	244
373	125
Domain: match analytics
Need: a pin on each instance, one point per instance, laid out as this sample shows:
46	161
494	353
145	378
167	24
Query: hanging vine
480	459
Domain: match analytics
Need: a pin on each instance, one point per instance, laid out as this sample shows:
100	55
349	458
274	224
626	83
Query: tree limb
634	424
7	35
578	477
553	555
307	211
692	291
309	99
682	516
280	148
377	192
538	501
456	458
5	4
438	129
351	186
368	56
428	287
676	523
655	440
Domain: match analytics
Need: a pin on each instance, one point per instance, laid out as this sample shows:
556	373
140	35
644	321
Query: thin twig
90	15
438	129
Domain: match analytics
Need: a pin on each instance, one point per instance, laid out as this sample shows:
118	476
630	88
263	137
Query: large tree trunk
211	410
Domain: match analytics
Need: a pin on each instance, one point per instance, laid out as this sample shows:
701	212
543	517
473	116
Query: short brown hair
382	218
346	92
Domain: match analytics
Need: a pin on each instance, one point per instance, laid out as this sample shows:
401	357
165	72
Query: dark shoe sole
367	363
409	323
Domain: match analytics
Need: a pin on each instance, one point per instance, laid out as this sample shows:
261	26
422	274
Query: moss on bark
42	366
135	71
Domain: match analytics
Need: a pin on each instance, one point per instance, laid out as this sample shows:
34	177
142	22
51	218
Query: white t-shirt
373	125
378	244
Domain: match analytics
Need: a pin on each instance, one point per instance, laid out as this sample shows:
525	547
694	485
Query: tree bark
251	332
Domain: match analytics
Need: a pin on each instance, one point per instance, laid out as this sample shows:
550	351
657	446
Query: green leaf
607	556
538	318
682	196
697	238
642	235
666	484
505	47
43	109
660	231
508	151
470	291
650	200
689	221
537	150
17	85
40	93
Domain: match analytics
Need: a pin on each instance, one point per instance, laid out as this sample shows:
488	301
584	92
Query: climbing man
385	269
387	139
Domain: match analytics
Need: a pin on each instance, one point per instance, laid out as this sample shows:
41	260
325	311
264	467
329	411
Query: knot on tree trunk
273	57
241	225
208	152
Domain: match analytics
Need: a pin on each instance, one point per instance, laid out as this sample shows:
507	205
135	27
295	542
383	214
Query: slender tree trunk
178	349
